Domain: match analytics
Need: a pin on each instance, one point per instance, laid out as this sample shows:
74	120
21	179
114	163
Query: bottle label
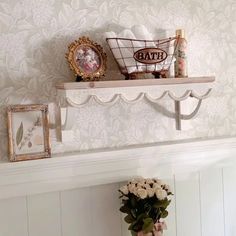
181	58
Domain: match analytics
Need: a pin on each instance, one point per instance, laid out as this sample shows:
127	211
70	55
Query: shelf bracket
178	115
177	102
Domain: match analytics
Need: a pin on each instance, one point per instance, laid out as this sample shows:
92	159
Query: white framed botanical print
28	132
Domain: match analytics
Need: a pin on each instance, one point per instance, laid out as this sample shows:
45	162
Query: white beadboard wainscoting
203	205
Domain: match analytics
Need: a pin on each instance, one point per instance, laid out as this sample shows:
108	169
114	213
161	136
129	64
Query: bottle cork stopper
180	33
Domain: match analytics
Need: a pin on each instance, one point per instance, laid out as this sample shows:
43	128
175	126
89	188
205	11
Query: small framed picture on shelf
28	132
86	59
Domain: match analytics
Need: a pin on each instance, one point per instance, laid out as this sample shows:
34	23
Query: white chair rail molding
91	168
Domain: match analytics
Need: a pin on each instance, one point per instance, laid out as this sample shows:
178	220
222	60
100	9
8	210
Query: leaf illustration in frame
19	134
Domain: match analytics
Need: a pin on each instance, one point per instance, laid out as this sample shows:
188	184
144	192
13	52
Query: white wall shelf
78	94
73	170
134	83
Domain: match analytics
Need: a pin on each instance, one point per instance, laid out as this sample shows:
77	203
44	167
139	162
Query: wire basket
135	56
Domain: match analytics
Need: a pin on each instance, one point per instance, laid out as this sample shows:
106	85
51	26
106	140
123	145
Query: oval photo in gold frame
87	59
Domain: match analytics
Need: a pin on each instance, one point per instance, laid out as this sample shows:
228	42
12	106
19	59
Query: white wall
203	205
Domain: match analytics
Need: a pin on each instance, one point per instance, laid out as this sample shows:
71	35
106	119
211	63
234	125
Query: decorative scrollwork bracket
177	101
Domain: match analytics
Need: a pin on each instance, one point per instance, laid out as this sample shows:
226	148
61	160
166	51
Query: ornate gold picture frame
28	132
87	59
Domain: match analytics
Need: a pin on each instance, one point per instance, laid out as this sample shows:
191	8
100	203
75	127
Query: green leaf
133	202
124	201
135	226
142	216
163	203
19	134
132	226
148	225
164	214
133	213
155	214
125	209
129	219
133	233
147	207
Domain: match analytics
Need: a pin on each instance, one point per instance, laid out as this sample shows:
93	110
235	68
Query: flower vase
157	231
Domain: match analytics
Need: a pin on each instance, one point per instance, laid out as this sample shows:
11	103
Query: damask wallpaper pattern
34	38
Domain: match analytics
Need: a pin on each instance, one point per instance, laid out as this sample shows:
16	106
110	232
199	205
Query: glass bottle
180	55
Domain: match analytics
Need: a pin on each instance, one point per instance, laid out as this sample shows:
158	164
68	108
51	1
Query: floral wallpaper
34	39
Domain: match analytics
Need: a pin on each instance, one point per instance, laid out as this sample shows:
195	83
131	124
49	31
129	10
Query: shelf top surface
133	83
